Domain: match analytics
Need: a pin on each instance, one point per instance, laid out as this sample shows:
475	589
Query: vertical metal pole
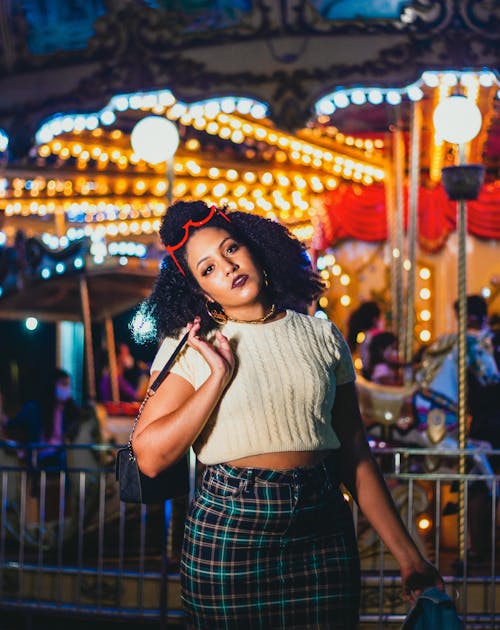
170	181
89	348
462	358
416	125
164	568
391	213
69	352
113	372
59	344
398	245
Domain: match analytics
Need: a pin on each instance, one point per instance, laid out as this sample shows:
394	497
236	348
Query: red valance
359	212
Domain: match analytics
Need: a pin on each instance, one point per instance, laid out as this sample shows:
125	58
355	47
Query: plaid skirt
268	549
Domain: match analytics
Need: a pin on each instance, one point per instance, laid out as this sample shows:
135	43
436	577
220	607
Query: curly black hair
177	299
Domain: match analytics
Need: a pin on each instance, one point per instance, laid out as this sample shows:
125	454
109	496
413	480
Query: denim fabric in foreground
270	549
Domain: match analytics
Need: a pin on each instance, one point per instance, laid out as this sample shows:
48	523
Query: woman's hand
418	578
219	357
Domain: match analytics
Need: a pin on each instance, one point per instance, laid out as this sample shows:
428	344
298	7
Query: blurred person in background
383	365
364	322
52	420
132	377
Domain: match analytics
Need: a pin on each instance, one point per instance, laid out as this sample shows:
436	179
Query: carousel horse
436	399
424	414
433	395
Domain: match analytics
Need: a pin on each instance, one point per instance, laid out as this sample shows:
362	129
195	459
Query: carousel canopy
286	111
59	285
57	56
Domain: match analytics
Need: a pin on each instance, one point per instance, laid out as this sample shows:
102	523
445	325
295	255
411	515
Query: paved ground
9	621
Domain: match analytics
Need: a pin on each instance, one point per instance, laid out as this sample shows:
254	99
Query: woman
265	395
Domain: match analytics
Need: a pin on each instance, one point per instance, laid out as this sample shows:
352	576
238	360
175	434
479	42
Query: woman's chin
247	295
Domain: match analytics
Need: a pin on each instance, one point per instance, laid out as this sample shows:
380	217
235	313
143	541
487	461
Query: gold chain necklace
267	316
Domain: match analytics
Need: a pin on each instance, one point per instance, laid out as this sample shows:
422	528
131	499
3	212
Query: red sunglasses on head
189	224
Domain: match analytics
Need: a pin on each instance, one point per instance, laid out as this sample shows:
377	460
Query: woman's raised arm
175	415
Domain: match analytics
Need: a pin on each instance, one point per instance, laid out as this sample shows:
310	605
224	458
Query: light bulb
155	139
457	119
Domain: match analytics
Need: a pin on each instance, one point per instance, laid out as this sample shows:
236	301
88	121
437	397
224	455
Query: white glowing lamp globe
154	139
457	119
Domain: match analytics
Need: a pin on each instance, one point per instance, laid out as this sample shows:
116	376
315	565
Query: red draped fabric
359	212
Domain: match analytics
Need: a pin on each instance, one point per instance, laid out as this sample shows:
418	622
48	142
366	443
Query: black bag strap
164	371
152	390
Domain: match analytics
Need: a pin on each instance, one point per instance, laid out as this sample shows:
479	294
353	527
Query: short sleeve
189	364
344	370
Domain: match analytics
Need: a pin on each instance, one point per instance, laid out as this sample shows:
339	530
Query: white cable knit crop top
282	392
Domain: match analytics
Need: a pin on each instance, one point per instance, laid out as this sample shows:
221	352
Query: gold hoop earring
218	316
265	278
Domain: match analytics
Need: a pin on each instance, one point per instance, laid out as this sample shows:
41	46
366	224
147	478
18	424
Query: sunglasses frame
193	224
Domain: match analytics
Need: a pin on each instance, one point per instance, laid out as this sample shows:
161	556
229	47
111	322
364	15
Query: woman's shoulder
168	344
320	324
309	320
188	357
323	330
170	341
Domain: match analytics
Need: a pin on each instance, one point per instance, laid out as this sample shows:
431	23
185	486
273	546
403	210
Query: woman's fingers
416	581
218	357
225	348
193	328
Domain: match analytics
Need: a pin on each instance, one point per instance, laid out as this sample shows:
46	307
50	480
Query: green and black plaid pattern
267	549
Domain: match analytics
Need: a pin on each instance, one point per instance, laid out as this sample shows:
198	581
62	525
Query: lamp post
415	133
458	120
154	139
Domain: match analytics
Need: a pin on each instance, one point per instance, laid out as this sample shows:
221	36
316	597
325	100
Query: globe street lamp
458	120
155	139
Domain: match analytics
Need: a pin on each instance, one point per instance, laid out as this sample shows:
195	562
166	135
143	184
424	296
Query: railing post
164	567
397	463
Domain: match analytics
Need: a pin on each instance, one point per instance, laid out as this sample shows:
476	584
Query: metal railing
67	543
429	505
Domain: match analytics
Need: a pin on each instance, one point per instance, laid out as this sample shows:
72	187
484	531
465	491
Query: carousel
384	161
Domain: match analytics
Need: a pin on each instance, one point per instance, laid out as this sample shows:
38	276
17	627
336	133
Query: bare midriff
280	461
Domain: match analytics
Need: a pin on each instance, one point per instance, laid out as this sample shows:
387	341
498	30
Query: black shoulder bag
135	486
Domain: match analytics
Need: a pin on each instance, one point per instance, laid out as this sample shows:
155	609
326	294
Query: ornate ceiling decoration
286	54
